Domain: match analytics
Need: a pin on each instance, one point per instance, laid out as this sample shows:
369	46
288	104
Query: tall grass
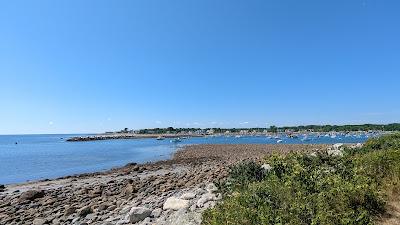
309	189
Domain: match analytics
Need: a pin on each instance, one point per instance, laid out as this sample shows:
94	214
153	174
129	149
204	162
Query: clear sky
72	66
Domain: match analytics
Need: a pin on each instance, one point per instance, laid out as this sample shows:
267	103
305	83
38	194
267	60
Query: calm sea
50	156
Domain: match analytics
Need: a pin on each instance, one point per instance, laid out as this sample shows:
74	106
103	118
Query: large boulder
175	204
137	214
31	195
181	217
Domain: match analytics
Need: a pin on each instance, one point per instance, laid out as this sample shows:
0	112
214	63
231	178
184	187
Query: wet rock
137	214
175	203
31	195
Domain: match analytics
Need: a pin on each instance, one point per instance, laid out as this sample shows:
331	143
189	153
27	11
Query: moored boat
176	140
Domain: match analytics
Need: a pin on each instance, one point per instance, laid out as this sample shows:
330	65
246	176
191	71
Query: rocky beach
174	191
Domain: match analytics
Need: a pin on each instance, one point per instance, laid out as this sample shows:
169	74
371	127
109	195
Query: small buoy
16	143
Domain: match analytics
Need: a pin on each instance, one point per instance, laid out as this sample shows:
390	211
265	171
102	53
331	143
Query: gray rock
204	199
266	167
188	195
338	146
175	203
156	213
184	218
39	221
137	214
211	188
334	152
74	221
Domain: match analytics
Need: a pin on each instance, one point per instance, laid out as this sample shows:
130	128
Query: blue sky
72	66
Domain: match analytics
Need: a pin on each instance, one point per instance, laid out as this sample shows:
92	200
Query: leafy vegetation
312	189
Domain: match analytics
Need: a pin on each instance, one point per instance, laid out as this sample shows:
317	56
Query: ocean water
38	157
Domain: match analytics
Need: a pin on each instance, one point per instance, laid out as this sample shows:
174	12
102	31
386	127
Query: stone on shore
31	195
137	214
204	199
39	221
69	210
188	196
156	213
82	212
266	167
211	188
183	218
129	189
175	204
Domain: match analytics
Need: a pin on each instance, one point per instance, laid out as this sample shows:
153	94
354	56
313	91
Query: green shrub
304	189
241	175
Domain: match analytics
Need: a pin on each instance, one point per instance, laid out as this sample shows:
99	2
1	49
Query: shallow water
50	156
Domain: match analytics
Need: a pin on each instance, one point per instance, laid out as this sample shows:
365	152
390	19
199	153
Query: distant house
244	132
199	132
210	131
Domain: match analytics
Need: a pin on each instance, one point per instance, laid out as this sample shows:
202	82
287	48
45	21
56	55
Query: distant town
271	129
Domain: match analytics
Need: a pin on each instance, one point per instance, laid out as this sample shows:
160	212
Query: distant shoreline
99	137
112	136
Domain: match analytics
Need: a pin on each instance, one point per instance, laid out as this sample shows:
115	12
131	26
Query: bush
303	189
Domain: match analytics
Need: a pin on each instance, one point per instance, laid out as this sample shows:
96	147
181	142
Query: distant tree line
344	128
274	129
